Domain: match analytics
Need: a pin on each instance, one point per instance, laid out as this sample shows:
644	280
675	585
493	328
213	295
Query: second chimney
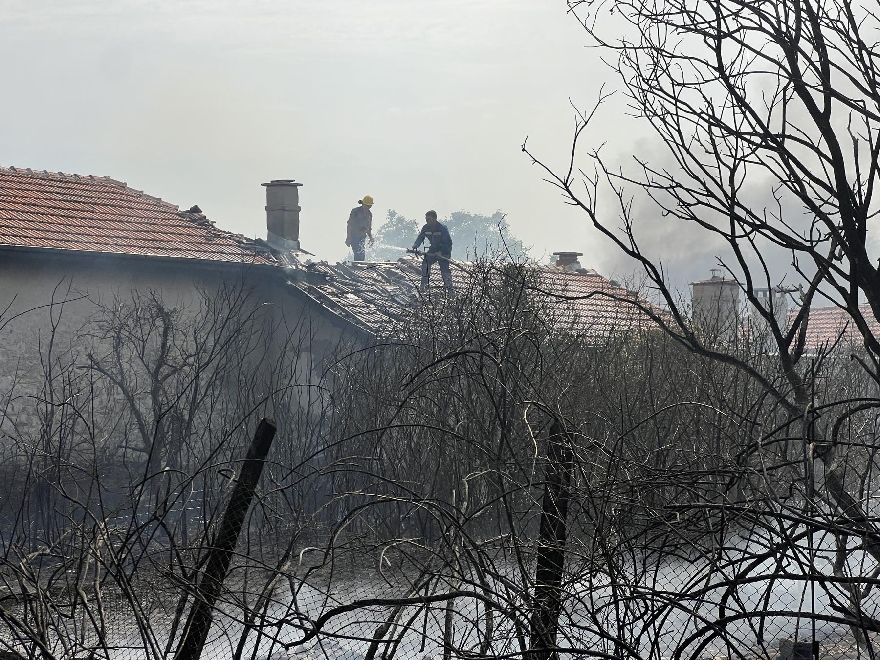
568	260
282	214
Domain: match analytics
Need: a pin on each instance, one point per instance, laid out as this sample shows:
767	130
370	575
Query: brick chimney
282	214
568	260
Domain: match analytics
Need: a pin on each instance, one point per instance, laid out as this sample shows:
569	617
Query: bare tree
769	114
456	428
117	483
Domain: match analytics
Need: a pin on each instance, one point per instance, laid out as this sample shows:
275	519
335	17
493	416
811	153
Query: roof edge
68	252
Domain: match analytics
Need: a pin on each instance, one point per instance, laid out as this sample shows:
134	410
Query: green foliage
473	236
393	237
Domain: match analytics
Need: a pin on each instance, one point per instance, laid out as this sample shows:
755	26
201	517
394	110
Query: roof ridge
65	176
46	174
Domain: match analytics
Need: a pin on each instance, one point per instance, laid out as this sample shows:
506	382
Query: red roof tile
60	211
591	303
830	326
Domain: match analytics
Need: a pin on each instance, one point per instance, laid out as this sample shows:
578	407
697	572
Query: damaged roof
374	295
53	210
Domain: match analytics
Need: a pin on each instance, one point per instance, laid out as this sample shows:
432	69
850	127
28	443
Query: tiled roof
591	303
97	214
369	295
832	325
375	295
51	210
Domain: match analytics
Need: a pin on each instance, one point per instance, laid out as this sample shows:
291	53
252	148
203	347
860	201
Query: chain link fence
768	586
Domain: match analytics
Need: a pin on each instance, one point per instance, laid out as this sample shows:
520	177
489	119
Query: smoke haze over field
422	105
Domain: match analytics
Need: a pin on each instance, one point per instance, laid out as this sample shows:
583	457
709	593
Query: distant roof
830	325
53	210
595	305
723	281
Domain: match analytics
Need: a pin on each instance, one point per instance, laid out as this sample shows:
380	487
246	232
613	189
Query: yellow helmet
367	200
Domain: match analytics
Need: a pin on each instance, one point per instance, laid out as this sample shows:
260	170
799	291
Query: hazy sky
420	104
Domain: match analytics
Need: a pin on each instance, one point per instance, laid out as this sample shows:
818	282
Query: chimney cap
568	260
282	182
718	279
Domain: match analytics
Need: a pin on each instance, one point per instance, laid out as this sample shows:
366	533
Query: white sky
420	104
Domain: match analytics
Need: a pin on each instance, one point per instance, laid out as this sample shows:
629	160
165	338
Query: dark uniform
440	251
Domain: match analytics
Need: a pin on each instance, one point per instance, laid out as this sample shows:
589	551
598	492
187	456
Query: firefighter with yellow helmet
360	228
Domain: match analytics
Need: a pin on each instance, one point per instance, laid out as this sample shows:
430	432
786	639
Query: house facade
71	246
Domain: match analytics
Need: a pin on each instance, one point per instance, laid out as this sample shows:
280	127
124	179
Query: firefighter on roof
360	228
440	250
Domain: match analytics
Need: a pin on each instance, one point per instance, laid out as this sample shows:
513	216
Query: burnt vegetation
486	479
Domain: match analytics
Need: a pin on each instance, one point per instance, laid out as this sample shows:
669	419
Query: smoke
686	250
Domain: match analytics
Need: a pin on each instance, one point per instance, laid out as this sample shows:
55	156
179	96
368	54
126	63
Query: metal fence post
220	555
547	600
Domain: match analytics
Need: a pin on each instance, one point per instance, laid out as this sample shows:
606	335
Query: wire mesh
751	598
